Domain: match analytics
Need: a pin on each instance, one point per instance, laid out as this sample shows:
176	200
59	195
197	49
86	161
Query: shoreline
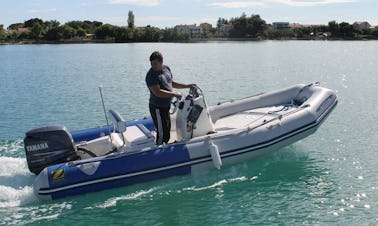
31	42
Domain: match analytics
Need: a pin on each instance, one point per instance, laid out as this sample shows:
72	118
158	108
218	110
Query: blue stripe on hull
119	166
122	182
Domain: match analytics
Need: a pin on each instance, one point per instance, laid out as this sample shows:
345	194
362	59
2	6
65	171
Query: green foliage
221	21
145	34
151	34
15	26
374	33
22	36
50	24
3	35
173	34
333	28
241	27
32	22
131	20
13	37
81	32
123	34
54	34
343	30
37	31
244	26
88	26
280	34
105	31
67	31
346	30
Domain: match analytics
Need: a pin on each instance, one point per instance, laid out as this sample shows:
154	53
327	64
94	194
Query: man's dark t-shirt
164	80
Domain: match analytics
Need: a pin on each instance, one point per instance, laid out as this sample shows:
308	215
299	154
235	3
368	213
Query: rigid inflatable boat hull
186	157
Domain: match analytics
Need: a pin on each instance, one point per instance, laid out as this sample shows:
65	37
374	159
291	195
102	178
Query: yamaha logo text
37	147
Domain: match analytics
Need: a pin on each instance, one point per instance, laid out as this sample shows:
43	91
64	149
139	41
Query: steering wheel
174	102
195	91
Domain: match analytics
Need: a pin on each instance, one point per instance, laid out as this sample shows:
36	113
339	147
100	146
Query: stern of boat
40	182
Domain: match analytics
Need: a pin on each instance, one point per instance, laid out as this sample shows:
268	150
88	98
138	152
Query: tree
105	31
173	34
67	31
239	26
333	28
81	32
346	30
151	34
123	34
244	26
54	24
219	23
97	24
36	31
3	35
54	34
32	22
16	26
256	26
280	34
131	20
374	33
13	37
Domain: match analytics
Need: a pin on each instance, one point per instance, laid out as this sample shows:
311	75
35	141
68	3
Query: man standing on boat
160	82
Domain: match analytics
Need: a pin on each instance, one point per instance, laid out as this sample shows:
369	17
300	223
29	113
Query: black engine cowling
47	146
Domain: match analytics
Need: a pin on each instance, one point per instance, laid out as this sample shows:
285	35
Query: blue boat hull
116	171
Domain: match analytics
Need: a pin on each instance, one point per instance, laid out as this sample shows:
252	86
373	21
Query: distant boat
202	137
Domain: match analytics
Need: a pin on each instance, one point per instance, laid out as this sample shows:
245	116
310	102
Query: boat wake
220	183
15	179
135	195
186	185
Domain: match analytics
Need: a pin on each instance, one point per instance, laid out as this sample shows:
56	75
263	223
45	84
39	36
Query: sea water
327	178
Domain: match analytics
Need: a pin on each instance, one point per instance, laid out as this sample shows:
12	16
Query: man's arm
178	85
164	93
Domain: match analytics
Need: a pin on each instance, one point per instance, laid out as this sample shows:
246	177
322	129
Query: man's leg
166	121
162	122
154	119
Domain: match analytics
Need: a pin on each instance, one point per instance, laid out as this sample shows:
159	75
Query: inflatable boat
202	137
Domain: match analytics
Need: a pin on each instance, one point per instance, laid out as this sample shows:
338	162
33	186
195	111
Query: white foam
13	166
113	201
216	184
11	147
14	197
15	182
243	178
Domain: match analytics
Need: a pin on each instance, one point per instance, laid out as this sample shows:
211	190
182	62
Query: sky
167	13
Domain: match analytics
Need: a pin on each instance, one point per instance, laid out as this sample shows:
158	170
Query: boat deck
251	118
254	117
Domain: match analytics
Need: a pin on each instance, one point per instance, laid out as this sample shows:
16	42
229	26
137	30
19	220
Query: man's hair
156	56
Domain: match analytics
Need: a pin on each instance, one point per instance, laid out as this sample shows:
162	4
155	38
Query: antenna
103	107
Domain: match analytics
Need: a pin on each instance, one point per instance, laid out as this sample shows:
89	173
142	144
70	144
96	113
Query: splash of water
15	182
11	148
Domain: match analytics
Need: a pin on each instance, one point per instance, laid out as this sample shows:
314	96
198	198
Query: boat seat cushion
116	140
137	134
134	135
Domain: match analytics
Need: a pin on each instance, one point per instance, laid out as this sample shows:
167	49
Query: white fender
217	161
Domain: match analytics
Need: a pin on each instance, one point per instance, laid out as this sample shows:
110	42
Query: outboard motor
48	146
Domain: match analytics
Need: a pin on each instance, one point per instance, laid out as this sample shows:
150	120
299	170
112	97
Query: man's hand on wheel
177	95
